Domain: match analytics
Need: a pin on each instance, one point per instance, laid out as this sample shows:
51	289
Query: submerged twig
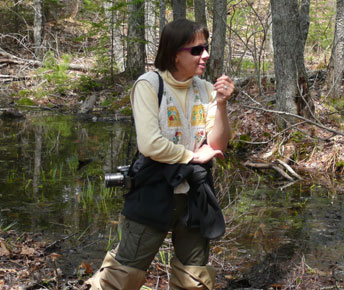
269	166
53	244
287	167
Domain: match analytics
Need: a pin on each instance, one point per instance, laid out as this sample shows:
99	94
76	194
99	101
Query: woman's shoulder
152	77
148	76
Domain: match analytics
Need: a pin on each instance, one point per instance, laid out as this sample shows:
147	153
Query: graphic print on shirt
176	138
173	117
198	115
200	136
197	98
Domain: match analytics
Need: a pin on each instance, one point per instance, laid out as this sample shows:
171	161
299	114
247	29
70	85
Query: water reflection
51	181
37	159
279	228
52	168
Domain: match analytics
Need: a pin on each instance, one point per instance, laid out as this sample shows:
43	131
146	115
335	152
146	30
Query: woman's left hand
205	153
224	87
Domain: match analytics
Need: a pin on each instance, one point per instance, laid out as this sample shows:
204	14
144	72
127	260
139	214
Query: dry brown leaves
307	148
23	261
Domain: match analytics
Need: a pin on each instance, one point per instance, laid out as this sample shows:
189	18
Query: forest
80	58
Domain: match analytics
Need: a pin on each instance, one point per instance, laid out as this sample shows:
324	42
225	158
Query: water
52	179
51	182
278	228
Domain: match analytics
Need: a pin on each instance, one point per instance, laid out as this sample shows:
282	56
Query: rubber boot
114	276
191	277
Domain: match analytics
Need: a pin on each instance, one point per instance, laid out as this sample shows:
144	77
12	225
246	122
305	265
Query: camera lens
114	179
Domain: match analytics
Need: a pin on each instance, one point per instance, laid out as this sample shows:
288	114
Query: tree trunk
113	17
162	17
336	67
38	28
304	20
218	41
16	9
288	42
200	15
305	102
136	38
179	9
268	45
71	8
150	31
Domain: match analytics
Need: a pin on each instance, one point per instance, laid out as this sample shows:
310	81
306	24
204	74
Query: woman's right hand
205	153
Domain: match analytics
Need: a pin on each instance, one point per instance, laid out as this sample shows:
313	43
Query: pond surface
52	179
52	182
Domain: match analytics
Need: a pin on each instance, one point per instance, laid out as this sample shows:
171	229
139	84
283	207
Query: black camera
119	178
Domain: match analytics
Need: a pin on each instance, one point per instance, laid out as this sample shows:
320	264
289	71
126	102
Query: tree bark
288	42
304	21
268	45
218	41
71	8
15	15
200	15
179	9
335	70
150	30
136	38
162	17
113	17
38	28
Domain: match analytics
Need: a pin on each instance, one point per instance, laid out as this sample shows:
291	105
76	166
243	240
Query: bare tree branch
289	114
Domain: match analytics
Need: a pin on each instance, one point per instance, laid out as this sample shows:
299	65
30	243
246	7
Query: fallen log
12	59
88	104
10	78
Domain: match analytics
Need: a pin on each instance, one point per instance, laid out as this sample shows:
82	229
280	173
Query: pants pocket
131	236
139	244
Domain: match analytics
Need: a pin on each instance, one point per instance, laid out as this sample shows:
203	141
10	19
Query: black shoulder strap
161	88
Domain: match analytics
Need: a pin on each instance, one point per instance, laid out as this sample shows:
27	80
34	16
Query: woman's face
188	65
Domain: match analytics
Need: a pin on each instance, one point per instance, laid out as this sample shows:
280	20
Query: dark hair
173	37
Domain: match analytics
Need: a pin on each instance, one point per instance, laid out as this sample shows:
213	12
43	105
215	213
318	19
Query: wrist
222	106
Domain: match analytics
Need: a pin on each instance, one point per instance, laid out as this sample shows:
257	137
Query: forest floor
312	150
314	153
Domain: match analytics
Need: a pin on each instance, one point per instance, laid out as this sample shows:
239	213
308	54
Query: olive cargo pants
126	270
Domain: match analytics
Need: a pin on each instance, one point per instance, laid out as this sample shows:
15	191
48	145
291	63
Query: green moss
297	137
25	102
40	93
24	93
126	111
106	103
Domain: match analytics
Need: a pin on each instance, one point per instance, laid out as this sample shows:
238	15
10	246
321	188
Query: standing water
52	182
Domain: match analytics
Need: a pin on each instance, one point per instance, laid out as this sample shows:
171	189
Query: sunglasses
196	50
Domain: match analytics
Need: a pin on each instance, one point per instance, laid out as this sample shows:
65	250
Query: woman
189	126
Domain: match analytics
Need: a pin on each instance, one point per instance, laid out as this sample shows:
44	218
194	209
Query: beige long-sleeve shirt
145	106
